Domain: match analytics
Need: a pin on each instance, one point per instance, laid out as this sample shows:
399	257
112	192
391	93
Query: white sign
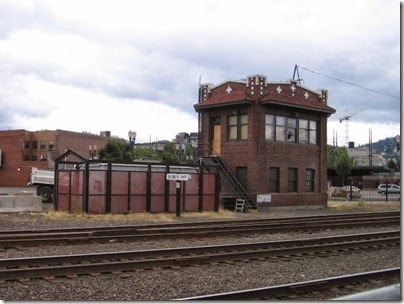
264	198
178	176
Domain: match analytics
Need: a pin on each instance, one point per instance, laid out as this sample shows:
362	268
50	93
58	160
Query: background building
364	157
369	170
21	150
269	138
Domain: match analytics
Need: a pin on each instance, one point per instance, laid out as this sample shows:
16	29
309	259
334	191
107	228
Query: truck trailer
44	179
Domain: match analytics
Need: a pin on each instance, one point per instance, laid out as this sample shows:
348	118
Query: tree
189	153
115	151
332	152
391	164
143	152
343	164
169	155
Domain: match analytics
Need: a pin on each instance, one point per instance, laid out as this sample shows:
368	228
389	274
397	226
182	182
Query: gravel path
165	284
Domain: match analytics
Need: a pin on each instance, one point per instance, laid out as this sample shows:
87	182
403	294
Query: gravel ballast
172	283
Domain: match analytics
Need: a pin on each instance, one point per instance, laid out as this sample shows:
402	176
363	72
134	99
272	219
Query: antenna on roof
199	88
296	73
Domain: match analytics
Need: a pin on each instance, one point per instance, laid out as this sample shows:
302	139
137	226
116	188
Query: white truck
44	179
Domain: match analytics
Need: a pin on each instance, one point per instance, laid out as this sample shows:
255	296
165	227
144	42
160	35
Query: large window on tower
307	131
289	129
280	128
237	127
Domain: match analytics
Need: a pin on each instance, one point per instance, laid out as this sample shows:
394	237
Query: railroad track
118	262
12	238
314	290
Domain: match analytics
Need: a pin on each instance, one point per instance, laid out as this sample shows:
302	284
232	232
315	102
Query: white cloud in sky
136	65
82	110
358	132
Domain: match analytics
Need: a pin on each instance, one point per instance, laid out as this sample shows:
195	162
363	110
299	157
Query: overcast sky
120	65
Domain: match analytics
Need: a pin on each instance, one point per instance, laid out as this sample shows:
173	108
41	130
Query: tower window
273	179
237	127
292	179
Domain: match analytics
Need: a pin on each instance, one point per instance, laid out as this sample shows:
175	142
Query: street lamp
132	139
92	151
180	151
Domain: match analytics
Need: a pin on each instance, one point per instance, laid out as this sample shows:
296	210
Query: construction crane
347	118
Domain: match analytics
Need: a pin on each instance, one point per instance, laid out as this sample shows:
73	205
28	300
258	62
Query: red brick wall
258	155
79	142
15	170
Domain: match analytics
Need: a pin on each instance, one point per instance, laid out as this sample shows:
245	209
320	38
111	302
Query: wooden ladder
239	205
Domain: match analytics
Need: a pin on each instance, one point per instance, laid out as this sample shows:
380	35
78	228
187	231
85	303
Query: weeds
141	216
363	205
337	205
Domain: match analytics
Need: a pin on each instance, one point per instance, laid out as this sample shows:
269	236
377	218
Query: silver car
391	188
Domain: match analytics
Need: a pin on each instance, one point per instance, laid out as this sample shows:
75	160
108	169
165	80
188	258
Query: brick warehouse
21	150
272	136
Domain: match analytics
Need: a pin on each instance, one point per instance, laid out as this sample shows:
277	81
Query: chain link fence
352	193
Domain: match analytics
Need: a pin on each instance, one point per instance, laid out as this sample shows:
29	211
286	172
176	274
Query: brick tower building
269	138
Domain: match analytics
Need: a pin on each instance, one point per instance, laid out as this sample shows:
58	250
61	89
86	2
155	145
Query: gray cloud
160	57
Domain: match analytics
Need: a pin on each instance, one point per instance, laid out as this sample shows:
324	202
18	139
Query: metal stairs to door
233	183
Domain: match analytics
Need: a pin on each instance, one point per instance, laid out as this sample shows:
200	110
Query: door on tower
216	137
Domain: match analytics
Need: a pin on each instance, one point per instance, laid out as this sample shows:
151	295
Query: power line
350	83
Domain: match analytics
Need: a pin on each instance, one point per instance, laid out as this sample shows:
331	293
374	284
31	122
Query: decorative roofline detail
258	88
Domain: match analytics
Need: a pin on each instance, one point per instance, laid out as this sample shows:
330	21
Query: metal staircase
233	183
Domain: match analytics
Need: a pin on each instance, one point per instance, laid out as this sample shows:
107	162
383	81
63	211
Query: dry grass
220	214
336	205
362	205
141	216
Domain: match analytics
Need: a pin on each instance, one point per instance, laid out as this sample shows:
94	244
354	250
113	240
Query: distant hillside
386	147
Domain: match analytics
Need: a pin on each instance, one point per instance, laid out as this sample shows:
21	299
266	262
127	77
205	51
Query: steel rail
299	287
119	228
146	233
37	267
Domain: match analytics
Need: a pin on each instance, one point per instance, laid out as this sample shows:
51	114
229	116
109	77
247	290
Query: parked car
345	192
356	192
337	192
391	188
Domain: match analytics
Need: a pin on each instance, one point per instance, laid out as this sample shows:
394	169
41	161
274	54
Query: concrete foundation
290	208
20	203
